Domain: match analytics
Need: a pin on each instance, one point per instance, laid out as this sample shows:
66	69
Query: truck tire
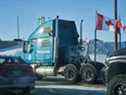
71	73
88	73
117	85
39	77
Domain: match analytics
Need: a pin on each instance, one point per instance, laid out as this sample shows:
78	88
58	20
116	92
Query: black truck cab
116	73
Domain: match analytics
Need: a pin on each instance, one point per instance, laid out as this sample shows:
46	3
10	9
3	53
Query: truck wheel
39	77
117	85
71	73
88	73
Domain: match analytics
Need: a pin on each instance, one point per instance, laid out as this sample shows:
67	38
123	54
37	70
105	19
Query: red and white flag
104	23
118	25
99	21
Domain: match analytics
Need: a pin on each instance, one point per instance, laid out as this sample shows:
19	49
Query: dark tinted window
17	60
11	60
2	60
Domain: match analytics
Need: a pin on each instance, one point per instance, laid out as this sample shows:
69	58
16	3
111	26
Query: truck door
43	50
42	40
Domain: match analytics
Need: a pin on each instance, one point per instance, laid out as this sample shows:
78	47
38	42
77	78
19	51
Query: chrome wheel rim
120	90
87	75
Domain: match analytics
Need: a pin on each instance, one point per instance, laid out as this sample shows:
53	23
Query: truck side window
2	60
27	47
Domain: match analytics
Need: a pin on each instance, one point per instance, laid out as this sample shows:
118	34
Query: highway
58	86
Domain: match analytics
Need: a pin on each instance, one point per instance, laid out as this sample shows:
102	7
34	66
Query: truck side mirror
27	47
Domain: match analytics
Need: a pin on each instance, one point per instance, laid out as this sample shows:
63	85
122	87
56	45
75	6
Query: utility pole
18	28
117	32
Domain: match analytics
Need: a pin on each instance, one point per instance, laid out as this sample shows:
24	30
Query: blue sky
30	10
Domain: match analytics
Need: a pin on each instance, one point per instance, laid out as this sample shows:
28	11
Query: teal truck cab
54	48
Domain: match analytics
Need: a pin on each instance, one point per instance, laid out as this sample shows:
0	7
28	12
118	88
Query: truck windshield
42	31
41	42
45	29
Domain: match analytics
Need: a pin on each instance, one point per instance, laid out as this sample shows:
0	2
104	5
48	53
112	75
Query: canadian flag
118	25
104	23
115	25
99	21
110	24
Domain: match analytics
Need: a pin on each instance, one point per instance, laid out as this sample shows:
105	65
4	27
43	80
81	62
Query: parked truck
54	48
116	73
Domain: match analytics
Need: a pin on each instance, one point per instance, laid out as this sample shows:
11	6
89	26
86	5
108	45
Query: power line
18	28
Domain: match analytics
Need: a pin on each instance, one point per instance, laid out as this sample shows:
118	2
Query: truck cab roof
67	31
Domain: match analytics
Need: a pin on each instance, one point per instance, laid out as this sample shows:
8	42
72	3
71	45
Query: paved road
64	91
58	86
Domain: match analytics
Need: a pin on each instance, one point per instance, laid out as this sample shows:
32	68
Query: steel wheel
88	73
120	89
117	85
71	73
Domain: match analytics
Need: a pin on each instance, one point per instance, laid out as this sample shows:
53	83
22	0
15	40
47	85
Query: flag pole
116	17
18	28
95	44
95	40
119	35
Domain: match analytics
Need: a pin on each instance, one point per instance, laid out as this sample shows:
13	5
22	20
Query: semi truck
116	73
54	48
